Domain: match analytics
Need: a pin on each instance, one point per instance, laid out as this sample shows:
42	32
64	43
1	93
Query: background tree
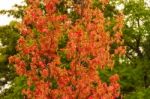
8	37
137	39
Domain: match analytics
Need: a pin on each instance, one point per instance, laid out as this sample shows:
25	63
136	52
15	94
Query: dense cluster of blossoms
87	50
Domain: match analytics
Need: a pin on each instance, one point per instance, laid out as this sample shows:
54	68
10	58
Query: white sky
7	4
148	2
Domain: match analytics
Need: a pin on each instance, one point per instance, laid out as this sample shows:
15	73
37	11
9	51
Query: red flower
11	59
114	78
45	73
21	40
24	31
41	64
90	97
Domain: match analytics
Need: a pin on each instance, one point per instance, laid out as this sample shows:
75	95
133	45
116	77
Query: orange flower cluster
87	49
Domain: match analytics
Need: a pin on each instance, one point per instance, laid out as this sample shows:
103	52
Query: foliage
136	37
17	12
52	68
16	89
141	93
8	37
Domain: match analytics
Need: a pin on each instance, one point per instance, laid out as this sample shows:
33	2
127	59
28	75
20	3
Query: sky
7	4
148	2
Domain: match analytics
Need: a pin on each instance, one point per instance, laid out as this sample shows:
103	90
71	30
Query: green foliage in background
136	36
15	92
8	38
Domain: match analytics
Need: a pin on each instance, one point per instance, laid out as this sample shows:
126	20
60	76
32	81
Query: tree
136	37
8	37
50	68
16	11
134	70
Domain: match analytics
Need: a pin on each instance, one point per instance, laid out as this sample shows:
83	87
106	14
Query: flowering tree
68	71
